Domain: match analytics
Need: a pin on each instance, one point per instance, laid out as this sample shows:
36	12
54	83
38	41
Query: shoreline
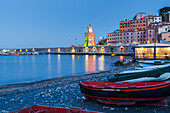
49	80
64	92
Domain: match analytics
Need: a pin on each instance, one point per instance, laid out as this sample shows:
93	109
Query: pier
91	50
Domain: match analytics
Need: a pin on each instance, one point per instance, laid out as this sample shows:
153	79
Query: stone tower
89	39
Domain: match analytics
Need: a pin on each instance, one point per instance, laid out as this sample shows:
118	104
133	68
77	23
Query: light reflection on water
101	63
73	64
121	57
49	65
16	69
59	65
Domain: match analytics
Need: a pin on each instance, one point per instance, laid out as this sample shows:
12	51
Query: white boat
29	53
135	71
35	53
4	53
153	62
140	69
163	77
22	53
152	67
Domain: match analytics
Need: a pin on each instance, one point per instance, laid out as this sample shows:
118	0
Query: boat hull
47	109
135	94
149	73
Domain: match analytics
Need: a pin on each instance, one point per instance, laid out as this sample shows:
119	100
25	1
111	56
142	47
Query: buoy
112	54
78	57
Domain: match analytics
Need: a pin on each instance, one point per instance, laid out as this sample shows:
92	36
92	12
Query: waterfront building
130	37
151	36
141	30
157	19
149	20
89	39
160	28
165	37
138	23
163	29
152	51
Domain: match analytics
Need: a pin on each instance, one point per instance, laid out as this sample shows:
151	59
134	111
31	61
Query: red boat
46	109
127	93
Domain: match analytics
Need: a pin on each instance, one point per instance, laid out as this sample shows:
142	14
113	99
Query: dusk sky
56	23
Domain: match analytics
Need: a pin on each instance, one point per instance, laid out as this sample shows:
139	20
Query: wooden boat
152	67
132	72
163	77
154	62
125	93
46	109
141	69
150	73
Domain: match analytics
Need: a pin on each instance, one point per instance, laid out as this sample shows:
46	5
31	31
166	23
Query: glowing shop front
152	51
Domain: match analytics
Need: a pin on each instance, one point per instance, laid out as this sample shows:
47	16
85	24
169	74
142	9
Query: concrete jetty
91	50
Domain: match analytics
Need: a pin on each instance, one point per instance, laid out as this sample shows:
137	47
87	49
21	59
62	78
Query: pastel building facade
89	39
166	36
151	36
157	19
161	28
138	23
150	20
131	37
141	30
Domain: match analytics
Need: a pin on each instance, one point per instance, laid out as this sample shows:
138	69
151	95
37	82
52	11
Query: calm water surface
26	68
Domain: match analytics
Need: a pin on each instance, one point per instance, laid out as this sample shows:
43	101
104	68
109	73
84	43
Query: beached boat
132	72
153	63
35	53
141	69
163	77
46	109
149	73
152	67
125	93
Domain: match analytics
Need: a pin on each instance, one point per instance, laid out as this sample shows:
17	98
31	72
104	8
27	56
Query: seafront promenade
98	49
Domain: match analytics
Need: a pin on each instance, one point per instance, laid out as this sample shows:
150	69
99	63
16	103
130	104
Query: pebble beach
65	92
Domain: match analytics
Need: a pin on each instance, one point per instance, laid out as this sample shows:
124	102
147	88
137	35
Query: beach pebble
105	107
49	90
1	97
46	101
4	111
112	108
12	100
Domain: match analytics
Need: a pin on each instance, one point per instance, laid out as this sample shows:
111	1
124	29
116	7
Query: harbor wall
105	49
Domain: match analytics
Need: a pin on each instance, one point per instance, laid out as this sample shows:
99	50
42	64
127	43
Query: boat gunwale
130	88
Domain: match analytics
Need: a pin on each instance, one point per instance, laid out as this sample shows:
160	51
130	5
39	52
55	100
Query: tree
163	11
